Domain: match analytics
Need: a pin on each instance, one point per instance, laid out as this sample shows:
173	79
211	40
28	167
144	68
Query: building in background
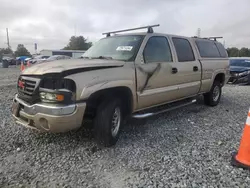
71	53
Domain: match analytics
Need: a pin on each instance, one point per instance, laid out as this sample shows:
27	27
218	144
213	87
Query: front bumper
239	80
48	117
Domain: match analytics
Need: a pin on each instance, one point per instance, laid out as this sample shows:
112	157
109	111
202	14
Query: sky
50	23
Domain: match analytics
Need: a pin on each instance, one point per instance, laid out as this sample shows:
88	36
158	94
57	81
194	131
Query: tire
104	130
212	98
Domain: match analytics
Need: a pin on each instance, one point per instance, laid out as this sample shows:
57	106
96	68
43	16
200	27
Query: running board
164	108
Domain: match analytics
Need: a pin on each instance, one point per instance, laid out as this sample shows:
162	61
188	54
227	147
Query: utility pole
36	48
199	32
8	40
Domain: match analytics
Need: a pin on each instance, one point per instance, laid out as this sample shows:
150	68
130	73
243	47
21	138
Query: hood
60	66
238	69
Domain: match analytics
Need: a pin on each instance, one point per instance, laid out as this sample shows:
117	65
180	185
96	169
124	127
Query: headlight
51	97
243	73
47	95
57	90
234	74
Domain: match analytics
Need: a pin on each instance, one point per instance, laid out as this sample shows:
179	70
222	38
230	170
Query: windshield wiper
102	57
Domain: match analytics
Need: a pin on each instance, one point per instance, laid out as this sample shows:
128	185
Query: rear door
188	67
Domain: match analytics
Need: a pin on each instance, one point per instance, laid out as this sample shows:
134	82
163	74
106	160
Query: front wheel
212	98
108	121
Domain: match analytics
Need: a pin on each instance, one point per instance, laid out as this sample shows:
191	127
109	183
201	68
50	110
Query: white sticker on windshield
124	48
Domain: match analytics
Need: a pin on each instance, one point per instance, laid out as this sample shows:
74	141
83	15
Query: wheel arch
221	77
122	92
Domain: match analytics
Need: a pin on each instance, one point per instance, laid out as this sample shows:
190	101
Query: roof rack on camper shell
209	38
213	38
149	27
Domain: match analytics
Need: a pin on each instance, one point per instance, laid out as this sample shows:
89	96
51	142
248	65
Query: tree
5	51
244	52
233	52
21	51
78	43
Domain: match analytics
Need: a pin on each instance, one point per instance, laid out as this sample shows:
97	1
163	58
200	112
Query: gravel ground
188	147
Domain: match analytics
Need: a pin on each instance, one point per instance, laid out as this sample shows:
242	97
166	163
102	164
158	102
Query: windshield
240	62
122	48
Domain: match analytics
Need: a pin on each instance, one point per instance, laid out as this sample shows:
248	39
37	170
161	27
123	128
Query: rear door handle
195	68
174	70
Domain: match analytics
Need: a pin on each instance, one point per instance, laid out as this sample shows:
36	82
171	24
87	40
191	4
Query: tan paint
69	64
151	84
211	68
165	85
56	123
93	81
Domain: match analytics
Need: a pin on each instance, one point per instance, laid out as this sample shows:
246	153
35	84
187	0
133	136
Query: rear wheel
212	98
108	121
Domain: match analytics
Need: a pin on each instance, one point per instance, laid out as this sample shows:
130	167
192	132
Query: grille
27	88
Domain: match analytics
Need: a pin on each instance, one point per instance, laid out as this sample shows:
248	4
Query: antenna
149	27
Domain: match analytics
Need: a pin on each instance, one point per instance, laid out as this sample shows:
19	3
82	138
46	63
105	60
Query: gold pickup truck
133	74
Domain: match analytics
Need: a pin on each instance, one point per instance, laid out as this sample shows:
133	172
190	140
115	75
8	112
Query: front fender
90	82
90	89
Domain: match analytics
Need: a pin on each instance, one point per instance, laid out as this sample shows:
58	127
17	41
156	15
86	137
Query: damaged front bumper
48	117
239	79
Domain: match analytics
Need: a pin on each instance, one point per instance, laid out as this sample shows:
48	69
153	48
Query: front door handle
195	68
174	70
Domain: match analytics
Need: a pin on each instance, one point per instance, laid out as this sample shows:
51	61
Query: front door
161	77
155	77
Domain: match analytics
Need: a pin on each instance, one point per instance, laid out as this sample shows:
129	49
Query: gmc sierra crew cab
131	74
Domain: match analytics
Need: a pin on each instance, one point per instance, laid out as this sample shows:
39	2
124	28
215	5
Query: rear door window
207	49
183	49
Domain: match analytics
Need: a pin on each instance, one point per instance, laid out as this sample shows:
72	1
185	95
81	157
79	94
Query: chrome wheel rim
216	93
116	122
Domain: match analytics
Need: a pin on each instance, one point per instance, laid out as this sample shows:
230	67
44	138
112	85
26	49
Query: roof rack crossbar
149	27
213	38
